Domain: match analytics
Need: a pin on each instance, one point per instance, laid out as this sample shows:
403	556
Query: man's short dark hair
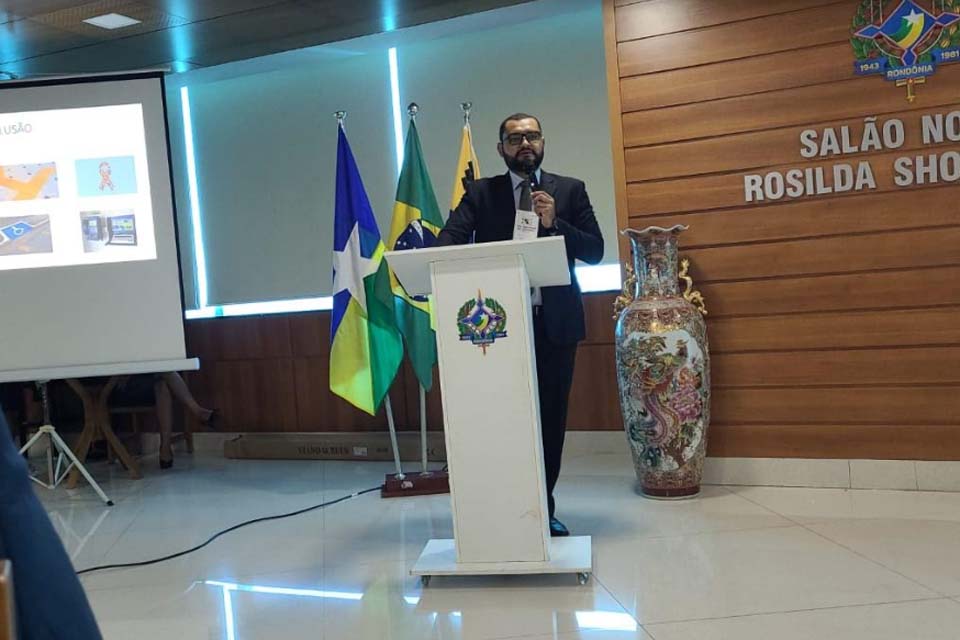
517	116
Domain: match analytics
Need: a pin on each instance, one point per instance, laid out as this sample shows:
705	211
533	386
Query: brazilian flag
416	223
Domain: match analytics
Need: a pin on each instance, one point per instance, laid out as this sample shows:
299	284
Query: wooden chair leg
89	433
133	467
135	427
83	448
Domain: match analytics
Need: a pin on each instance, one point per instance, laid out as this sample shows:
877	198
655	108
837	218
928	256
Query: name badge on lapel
527	225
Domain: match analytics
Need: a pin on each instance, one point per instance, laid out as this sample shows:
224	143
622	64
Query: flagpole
393	430
412	110
393	436
465	107
423	428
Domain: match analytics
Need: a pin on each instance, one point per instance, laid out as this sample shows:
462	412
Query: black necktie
526	202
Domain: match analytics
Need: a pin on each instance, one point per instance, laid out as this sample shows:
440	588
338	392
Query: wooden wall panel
848	292
852	367
616	123
271	373
658	17
735	78
239	338
857	97
837	254
251	394
598	311
884	328
731	41
862	405
310	334
748	151
834	319
727	190
595	398
879	442
811	218
320	410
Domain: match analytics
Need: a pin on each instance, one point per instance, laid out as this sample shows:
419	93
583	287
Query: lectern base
568	555
415	484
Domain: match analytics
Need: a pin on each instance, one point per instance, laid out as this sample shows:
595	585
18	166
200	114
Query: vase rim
653	230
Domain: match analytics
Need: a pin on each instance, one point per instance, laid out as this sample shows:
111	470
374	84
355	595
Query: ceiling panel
25	38
27	8
72	19
51	37
101	57
194	10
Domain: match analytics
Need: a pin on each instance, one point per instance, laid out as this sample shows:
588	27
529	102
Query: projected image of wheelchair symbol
25	235
15	231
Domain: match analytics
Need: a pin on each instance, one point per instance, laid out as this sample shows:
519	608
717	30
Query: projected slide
74	188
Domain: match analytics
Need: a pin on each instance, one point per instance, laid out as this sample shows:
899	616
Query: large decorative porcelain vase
663	367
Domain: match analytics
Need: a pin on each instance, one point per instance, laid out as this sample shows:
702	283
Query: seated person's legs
182	393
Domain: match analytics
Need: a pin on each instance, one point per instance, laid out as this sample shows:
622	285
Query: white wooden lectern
491	408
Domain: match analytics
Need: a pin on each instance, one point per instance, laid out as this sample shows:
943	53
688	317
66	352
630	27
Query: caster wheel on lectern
425	581
583	578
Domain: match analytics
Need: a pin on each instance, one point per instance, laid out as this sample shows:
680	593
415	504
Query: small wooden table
96	425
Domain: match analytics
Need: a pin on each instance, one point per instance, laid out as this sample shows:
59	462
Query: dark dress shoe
557	530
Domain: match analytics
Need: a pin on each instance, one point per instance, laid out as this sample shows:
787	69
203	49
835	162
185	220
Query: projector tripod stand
54	473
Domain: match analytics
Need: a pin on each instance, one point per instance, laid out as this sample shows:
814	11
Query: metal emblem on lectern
482	321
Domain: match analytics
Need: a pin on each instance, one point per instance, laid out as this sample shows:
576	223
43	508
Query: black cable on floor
226	531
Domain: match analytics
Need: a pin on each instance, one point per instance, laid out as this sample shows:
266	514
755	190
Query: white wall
552	68
266	161
265	136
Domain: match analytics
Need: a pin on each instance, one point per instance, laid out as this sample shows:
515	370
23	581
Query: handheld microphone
531	168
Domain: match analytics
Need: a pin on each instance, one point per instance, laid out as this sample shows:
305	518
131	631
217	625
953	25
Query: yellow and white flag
468	167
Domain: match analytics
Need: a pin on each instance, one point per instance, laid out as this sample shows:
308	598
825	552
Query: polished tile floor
738	563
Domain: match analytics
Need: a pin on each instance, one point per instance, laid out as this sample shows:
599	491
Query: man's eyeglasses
516	139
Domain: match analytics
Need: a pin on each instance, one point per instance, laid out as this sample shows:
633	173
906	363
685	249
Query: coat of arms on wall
905	41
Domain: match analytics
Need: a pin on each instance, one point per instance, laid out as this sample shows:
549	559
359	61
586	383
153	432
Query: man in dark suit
487	213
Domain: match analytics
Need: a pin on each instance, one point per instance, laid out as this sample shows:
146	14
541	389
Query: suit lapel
504	209
503	196
548	183
503	192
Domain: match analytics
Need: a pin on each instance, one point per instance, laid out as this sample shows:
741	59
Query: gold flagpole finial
413	109
340	116
465	107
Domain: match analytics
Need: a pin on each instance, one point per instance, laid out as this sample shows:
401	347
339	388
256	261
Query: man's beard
525	165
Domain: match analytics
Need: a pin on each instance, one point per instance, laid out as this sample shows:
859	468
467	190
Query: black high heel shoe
213	420
166	464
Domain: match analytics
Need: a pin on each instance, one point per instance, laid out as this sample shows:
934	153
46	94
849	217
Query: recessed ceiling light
112	21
